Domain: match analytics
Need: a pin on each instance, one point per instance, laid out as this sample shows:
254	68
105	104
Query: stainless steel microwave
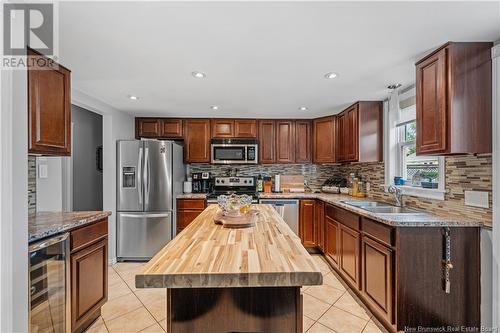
234	151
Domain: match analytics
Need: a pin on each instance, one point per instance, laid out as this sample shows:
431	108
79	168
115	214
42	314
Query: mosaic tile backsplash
31	184
469	172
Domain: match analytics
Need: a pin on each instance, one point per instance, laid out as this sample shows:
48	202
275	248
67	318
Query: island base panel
266	309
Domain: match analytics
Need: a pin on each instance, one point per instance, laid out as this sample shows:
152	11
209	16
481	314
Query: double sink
382	207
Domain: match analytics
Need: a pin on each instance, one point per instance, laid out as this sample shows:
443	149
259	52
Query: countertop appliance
228	185
334	184
288	209
49	296
201	182
234	151
150	175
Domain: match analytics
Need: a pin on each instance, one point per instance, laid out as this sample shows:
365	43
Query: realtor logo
28	25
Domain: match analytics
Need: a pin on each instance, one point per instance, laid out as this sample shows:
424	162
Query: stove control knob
218	181
245	181
222	181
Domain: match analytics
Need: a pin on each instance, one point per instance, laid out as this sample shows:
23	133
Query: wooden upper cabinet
285	141
245	128
197	140
359	133
453	100
148	128
49	109
307	225
267	144
172	128
303	145
324	140
158	128
222	128
351	134
340	136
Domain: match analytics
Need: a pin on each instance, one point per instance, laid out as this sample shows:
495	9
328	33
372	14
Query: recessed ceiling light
331	75
132	97
214	107
303	108
198	75
394	86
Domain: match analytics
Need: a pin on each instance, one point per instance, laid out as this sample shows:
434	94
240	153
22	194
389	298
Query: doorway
86	160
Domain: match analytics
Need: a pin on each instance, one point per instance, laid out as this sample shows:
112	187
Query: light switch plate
477	199
43	171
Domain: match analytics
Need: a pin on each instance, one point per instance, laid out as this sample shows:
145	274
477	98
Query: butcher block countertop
207	255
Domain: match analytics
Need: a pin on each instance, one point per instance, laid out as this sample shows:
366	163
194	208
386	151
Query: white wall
49	191
13	202
496	186
116	125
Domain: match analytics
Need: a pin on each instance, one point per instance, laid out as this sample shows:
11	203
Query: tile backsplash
463	173
314	174
31	184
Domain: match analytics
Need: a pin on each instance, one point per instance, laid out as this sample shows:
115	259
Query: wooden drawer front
184	217
329	211
89	282
191	204
88	234
346	218
382	233
349	255
377	276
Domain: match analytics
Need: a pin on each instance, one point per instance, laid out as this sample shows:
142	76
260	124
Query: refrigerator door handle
139	175
146	176
145	215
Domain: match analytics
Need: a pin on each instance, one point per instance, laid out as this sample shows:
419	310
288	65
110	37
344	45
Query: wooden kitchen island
233	280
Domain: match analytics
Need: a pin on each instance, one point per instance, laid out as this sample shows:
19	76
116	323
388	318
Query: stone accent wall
31	184
469	172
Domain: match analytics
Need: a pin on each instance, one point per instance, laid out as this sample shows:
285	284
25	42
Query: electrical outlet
43	171
477	199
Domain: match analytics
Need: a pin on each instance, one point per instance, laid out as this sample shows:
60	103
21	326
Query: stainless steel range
229	185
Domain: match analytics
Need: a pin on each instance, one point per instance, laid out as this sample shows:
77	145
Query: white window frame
393	149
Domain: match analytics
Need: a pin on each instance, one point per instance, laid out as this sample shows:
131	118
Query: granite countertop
423	219
192	196
209	255
45	224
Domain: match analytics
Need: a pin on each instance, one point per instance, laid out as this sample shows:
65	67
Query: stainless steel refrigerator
150	175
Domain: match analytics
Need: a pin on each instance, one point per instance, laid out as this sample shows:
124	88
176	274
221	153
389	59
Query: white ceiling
262	59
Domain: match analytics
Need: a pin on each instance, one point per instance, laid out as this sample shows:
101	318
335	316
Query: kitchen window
423	175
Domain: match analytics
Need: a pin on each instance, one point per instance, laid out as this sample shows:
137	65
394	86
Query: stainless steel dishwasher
288	209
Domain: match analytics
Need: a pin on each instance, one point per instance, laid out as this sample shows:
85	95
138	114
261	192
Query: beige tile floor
327	308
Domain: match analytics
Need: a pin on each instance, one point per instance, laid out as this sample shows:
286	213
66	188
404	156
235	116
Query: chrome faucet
398	194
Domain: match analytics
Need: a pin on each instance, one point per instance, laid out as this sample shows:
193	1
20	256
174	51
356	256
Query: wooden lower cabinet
307	228
349	254
332	232
397	272
319	220
187	211
378	276
88	274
